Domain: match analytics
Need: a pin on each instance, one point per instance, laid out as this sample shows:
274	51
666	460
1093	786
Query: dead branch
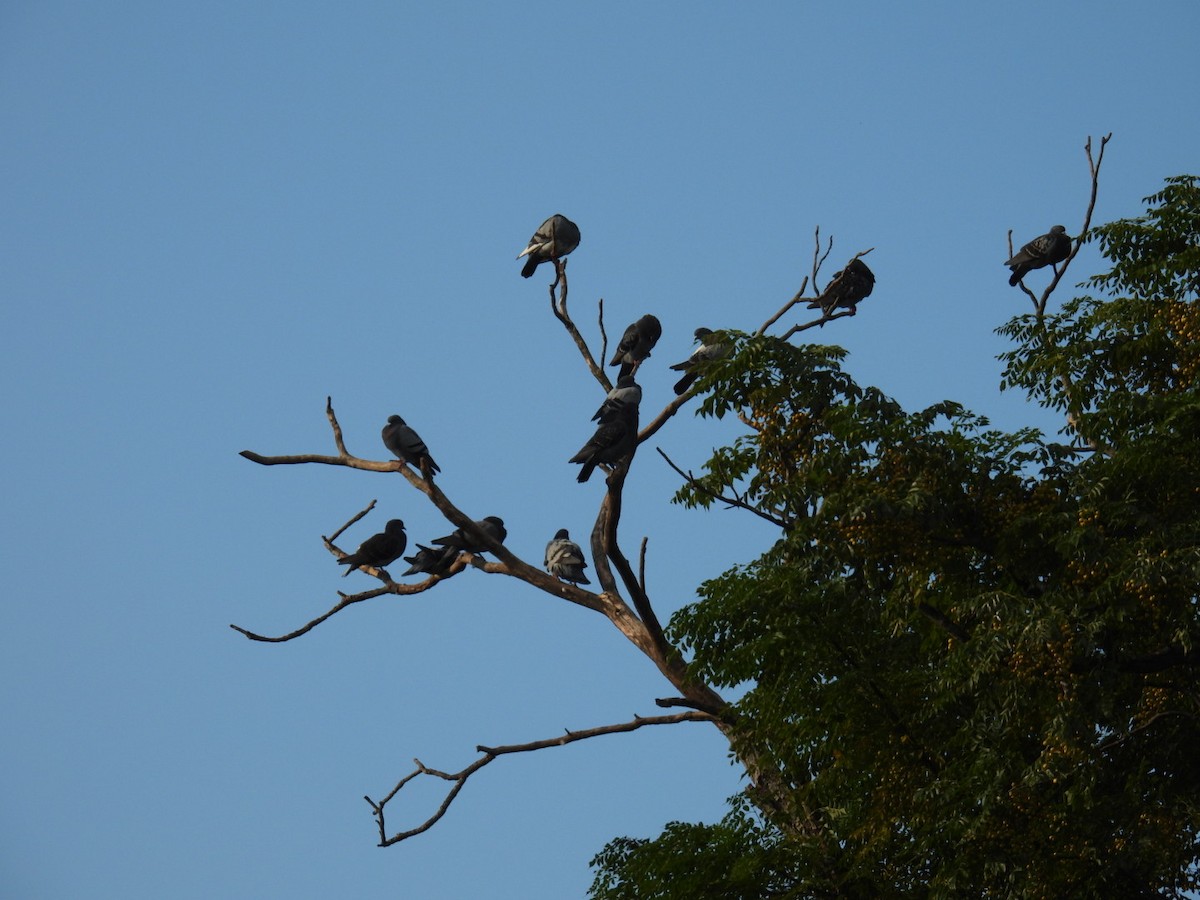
559	307
459	779
333	537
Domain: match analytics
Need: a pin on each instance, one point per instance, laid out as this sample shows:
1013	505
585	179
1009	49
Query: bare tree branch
333	537
459	779
559	308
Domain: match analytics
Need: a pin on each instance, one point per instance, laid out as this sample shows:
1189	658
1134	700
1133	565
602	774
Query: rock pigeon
692	366
636	343
378	550
564	559
613	440
493	526
556	237
1047	250
626	392
848	288
407	444
431	560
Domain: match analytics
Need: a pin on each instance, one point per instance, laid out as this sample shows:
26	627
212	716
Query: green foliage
971	655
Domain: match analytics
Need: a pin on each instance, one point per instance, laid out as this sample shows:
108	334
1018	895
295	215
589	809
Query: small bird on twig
378	550
613	440
636	343
492	526
431	560
627	391
555	238
407	445
564	559
847	289
1045	250
694	364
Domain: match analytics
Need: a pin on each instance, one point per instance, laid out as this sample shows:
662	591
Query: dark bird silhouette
614	439
694	364
555	238
564	559
627	391
493	526
636	343
407	445
1046	250
847	289
378	550
431	560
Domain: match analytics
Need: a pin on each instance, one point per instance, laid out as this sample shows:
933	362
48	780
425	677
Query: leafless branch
459	779
642	565
333	537
559	307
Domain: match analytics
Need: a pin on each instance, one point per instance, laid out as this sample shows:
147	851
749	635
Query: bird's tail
1017	275
351	564
685	382
530	267
586	472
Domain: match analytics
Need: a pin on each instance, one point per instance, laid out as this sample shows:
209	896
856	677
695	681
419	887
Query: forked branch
459	779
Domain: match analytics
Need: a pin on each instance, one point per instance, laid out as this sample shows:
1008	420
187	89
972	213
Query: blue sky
216	215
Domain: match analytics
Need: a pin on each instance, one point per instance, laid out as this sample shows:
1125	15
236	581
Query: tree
967	661
972	654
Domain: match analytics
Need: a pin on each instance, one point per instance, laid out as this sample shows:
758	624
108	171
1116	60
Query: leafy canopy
971	654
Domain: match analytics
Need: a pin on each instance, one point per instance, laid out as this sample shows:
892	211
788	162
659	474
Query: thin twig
333	537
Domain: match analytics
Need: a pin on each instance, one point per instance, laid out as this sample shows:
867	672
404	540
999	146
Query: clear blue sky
214	215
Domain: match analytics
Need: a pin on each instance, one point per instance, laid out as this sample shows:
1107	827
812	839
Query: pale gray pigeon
555	238
627	391
407	445
694	364
636	343
1045	250
378	550
847	289
564	559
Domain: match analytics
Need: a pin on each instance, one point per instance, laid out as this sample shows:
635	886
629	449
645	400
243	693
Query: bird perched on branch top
407	445
492	526
847	289
431	560
615	438
636	343
627	391
555	238
564	559
692	366
1045	250
378	550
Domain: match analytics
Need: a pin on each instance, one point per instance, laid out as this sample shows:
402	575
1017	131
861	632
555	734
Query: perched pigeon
626	392
431	560
613	440
493	526
407	444
848	288
378	550
636	343
556	237
706	352
1046	250
564	559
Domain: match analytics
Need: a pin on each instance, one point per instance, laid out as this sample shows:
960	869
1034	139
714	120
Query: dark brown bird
848	288
492	526
693	366
636	343
613	440
555	238
407	445
378	550
1045	250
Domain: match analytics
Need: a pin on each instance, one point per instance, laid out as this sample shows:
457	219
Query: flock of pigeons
617	418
